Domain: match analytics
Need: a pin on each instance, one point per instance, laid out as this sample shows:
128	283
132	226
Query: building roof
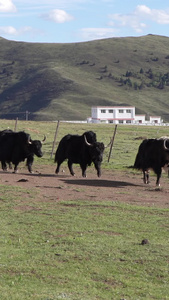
113	106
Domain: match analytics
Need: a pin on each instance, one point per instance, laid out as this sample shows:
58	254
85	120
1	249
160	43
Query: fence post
112	142
16	122
27	113
54	142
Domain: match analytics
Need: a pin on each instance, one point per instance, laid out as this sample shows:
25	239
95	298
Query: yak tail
55	160
58	154
135	166
138	162
130	167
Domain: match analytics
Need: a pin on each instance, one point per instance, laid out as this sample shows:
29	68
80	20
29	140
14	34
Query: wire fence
22	115
32	116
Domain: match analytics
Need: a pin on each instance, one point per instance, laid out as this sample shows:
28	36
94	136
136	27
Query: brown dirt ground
115	185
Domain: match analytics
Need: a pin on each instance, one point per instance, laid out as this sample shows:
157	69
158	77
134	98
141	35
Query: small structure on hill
120	115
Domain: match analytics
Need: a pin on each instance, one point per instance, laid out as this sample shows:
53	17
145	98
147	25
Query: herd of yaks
80	149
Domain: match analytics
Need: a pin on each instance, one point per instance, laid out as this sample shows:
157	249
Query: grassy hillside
63	81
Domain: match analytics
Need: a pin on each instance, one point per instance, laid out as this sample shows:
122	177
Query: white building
140	119
120	115
113	114
155	119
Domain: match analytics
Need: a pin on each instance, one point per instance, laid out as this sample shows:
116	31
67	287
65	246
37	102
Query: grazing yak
18	146
153	154
80	149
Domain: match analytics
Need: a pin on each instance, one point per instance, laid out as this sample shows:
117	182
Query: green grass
81	249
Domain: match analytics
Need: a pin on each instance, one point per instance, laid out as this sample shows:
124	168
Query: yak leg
29	163
58	166
4	166
10	165
15	168
158	172
70	167
98	173
57	169
83	167
97	167
146	176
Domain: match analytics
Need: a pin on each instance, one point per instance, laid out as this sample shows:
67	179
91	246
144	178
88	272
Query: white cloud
7	6
137	19
142	10
58	16
12	31
51	2
8	30
97	33
127	20
156	15
162	17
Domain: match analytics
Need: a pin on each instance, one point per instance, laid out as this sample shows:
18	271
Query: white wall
113	114
156	120
140	119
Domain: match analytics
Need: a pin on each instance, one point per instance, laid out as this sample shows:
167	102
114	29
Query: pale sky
68	21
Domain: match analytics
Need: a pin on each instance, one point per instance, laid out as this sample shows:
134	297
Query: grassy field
127	139
82	250
77	250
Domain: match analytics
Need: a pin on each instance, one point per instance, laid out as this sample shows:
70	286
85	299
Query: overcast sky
68	21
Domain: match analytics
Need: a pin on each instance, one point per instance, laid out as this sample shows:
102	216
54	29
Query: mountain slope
63	81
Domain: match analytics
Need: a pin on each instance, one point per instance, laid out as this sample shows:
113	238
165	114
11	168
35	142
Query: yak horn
44	139
108	144
29	140
165	147
87	143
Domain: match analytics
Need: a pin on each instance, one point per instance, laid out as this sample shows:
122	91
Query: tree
161	85
135	85
128	73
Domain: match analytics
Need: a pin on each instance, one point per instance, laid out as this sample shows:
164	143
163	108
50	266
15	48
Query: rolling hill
62	81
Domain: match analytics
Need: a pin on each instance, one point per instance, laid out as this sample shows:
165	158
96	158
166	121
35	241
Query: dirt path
112	186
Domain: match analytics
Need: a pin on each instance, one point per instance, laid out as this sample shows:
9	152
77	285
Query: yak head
165	140
96	150
35	146
90	136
